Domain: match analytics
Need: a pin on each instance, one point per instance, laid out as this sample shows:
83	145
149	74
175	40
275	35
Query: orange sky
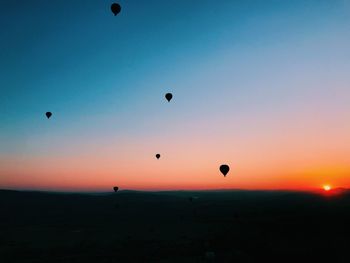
301	154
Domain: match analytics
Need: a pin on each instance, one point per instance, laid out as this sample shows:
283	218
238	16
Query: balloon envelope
115	8
48	114
168	96
157	155
224	169
115	188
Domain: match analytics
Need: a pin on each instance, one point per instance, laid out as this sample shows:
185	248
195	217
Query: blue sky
228	64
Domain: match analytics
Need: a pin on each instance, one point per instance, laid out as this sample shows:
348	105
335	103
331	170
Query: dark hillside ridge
174	226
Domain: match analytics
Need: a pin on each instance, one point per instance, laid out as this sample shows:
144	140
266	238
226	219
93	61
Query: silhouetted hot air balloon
115	8
224	169
168	96
157	155
115	188
48	114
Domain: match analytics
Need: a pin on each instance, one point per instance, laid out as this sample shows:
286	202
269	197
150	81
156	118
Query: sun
327	187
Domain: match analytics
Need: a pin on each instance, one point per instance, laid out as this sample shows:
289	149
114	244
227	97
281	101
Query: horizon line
171	190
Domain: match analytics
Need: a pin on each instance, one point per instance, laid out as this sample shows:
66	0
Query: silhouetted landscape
175	226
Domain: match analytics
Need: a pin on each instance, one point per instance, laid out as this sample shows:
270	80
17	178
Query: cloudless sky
263	86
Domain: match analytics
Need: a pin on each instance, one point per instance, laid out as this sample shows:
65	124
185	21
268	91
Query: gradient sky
263	86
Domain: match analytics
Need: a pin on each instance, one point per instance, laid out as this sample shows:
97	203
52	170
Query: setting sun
327	187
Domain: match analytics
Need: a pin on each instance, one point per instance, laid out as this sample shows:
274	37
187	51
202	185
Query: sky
262	86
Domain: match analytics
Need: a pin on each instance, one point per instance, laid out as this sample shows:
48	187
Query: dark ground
131	226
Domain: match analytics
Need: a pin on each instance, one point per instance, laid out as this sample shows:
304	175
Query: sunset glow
261	86
327	187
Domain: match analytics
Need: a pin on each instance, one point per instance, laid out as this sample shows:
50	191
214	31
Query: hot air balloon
168	96
115	188
115	8
157	155
48	114
224	169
